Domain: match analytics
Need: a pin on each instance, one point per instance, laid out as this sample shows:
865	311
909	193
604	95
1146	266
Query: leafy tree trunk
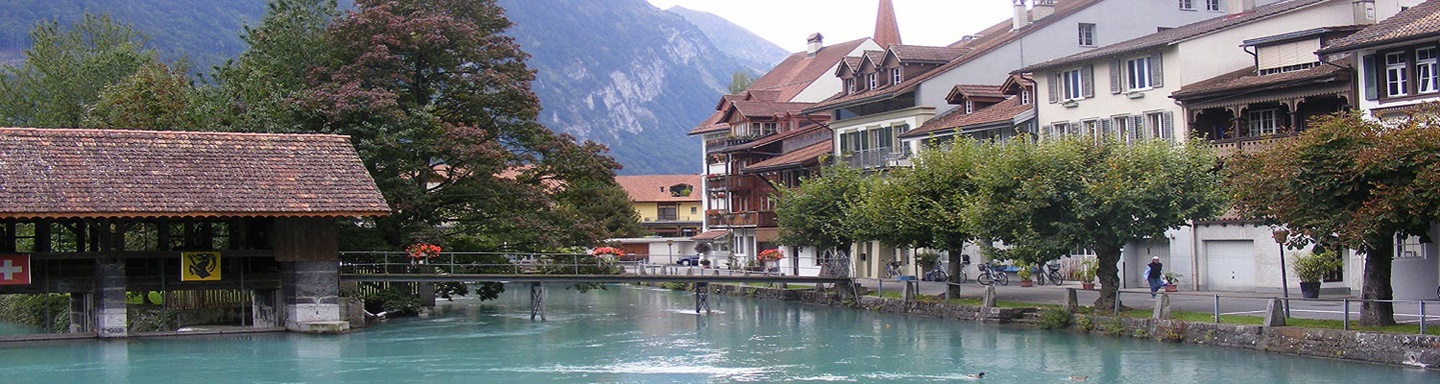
1108	255
1376	284
952	286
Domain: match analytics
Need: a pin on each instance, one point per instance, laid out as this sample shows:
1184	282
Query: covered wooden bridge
96	213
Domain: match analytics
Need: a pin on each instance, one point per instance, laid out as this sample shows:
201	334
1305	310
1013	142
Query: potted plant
420	252
769	256
1311	268
1171	279
1022	270
1086	274
607	254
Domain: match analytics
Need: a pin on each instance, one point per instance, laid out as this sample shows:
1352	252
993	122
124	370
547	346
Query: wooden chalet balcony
720	144
741	219
1227	147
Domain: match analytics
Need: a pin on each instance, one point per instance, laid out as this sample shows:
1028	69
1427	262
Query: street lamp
1282	235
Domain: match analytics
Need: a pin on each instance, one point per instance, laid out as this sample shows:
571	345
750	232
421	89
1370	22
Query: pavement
1327	307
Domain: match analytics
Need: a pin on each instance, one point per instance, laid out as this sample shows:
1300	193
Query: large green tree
1046	198
813	214
1349	181
259	91
66	69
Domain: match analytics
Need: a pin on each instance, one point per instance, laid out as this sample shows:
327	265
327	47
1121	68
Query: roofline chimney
1021	19
1364	12
1041	9
814	43
1235	7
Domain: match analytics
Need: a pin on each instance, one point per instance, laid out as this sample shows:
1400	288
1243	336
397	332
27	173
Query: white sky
788	22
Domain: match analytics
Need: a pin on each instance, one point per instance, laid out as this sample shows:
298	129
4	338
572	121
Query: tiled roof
1174	35
793	159
1004	111
1246	79
887	30
978	90
710	124
1422	20
768	109
800	70
990	39
656	188
918	53
70	173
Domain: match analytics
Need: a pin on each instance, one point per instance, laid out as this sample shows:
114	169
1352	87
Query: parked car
689	260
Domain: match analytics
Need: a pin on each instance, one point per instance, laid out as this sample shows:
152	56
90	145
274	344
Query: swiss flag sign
14	269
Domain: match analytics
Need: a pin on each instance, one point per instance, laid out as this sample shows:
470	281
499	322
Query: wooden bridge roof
97	173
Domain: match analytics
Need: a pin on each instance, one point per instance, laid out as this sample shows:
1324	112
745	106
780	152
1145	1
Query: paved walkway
1331	307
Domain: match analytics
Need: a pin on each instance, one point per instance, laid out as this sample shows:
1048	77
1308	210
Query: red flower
607	251
770	255
422	251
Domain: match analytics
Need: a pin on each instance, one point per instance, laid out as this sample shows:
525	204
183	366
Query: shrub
1114	327
1085	323
1312	267
50	312
1055	318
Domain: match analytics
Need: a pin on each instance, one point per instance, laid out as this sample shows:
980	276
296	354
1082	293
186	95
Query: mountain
734	40
619	72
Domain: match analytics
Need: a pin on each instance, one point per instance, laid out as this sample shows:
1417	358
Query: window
1090	129
850	85
1059	129
1070	85
1395	84
1288	68
969	107
1024	96
1087	34
896	76
1159	125
1137	73
1121	126
1188	5
1264	122
1212	5
1425	70
870	79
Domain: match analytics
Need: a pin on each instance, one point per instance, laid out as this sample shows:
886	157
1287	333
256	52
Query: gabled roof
793	159
1001	112
1246	80
99	173
1422	20
656	188
924	54
800	70
1176	35
768	109
711	124
977	90
990	39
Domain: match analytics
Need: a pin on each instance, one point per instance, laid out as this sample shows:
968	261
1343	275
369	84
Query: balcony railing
878	158
1228	147
741	219
719	144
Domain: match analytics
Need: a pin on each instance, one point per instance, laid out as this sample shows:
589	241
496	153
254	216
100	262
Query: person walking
1152	275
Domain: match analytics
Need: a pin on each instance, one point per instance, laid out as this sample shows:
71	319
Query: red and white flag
14	269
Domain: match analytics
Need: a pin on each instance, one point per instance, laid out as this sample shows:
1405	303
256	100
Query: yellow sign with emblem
199	266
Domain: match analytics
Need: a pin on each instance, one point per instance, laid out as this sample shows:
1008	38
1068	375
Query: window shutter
1115	72
1054	87
1106	130
1372	82
1087	81
1157	73
1168	129
1137	127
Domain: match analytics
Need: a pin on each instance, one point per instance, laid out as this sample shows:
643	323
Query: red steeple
887	31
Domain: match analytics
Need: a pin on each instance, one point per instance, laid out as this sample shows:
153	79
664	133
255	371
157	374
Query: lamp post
1281	236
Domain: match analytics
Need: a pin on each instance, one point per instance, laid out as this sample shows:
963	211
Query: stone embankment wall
1412	350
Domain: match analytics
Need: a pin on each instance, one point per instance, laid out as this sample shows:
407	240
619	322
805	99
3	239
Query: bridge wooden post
537	301
702	297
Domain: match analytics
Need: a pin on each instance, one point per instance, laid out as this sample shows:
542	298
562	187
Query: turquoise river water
642	335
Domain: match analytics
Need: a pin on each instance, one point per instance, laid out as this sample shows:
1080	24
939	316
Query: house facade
1395	63
1238	80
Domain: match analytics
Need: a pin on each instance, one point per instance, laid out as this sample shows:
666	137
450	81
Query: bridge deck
628	278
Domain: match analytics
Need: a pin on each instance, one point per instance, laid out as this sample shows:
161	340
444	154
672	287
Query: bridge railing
475	263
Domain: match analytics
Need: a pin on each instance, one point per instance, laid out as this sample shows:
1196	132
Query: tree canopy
813	214
66	69
1349	181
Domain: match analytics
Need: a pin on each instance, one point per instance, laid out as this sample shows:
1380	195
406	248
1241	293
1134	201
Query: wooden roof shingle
98	173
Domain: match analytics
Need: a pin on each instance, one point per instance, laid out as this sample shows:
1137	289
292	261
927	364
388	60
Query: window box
1070	103
1135	94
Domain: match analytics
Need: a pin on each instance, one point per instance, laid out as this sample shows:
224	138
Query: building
668	205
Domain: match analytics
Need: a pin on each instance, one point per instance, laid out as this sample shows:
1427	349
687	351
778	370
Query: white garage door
1230	265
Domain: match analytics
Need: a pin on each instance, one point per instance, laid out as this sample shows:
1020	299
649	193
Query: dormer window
1024	96
850	85
871	79
681	190
969	107
896	76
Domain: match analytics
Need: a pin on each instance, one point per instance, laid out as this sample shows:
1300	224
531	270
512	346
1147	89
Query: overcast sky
788	22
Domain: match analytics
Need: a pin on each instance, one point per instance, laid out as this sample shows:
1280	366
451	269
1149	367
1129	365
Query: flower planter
1171	288
1087	286
1310	290
1026	283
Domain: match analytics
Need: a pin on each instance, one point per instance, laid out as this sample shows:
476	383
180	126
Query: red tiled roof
800	70
1004	111
990	39
768	109
1422	20
978	90
793	159
656	188
711	124
1174	35
1246	79
919	53
72	173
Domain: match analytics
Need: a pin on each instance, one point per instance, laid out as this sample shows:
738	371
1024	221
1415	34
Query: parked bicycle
938	274
1051	274
991	274
892	269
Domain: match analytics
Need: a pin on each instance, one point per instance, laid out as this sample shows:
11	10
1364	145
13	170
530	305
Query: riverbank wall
1408	350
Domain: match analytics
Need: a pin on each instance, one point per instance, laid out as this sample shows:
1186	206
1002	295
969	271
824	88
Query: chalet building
1238	80
898	89
670	209
1396	61
97	213
985	112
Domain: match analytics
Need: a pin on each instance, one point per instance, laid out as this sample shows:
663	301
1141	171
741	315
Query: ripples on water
639	335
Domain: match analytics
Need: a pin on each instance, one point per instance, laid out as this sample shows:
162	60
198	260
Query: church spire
887	30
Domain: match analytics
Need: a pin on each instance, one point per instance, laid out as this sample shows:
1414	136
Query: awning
710	235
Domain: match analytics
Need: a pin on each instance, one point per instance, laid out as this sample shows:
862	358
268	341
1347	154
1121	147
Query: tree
813	214
156	97
1349	181
259	91
66	69
740	81
438	102
922	206
1044	199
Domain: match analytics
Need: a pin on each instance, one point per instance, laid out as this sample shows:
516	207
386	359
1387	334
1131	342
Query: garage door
1230	265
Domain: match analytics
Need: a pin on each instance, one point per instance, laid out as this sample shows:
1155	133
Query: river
641	335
